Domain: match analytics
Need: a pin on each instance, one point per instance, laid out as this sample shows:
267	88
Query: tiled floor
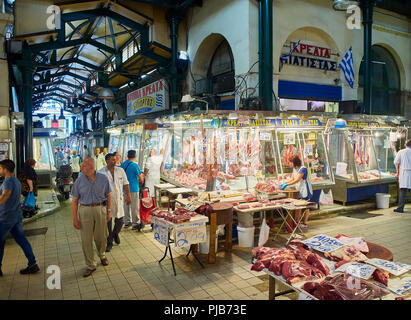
134	273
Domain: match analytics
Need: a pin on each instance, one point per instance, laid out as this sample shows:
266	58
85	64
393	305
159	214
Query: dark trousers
114	231
401	199
16	230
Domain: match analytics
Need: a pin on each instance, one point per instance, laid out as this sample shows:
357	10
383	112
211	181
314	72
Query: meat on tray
381	276
346	253
256	205
264	187
340	287
358	243
243	206
250	197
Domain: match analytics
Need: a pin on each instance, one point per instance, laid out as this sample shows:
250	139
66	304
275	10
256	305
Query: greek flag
285	56
347	66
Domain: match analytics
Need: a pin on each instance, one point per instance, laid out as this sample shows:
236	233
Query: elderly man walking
403	164
91	208
118	180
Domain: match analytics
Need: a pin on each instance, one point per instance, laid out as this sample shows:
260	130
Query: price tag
356	269
203	196
265	136
189	236
259	177
394	268
193	205
302	296
289	138
400	286
323	243
262	196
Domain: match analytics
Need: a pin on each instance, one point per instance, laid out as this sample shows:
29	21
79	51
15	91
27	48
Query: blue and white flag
347	66
285	56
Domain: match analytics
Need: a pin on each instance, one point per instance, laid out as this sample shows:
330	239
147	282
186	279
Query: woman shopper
28	178
303	184
75	165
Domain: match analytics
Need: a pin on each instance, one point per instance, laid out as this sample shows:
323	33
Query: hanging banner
151	98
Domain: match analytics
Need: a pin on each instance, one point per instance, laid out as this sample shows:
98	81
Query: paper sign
189	236
302	296
289	138
193	205
400	286
323	243
160	232
265	136
356	269
262	196
341	169
259	177
393	137
203	196
394	268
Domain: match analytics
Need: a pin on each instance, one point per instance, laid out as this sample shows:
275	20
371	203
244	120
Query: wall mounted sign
151	98
309	56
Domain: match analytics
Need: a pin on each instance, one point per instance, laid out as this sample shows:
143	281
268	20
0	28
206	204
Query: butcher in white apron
302	181
118	179
403	164
152	170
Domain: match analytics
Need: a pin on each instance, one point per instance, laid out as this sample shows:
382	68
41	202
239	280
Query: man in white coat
118	179
403	164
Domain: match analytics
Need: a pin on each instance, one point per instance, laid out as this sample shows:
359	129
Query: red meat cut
316	261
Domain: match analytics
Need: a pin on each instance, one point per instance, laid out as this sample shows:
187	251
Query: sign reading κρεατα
151	98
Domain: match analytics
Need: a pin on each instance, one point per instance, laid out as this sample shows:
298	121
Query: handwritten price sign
262	196
193	205
194	235
323	243
394	268
359	270
160	233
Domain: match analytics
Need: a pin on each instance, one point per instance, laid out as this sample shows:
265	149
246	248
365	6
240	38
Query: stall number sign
262	196
394	268
193	205
323	243
192	235
160	233
356	269
265	136
289	138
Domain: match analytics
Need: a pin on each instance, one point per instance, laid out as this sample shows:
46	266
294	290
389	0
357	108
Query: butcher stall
133	133
334	268
237	151
362	158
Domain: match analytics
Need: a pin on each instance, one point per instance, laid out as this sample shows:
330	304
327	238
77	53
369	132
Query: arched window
385	79
221	70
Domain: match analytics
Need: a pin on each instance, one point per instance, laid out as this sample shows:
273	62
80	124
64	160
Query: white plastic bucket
245	220
246	237
204	246
383	200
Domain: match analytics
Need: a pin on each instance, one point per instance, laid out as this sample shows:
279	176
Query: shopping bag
264	233
326	199
30	201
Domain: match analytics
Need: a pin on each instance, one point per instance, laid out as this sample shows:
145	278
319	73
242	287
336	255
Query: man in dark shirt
11	217
91	209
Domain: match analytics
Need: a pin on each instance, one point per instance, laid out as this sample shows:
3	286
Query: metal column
106	137
85	121
260	50
174	19
367	7
268	54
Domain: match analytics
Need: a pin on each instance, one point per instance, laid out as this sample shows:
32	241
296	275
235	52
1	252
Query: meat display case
116	142
44	156
362	159
156	137
132	139
236	152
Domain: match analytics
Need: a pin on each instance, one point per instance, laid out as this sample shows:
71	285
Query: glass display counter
116	141
155	137
132	140
362	159
45	162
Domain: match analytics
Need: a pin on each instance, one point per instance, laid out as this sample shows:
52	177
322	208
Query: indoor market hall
180	151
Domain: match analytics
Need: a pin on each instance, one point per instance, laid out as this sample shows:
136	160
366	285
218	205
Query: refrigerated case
155	137
45	162
362	159
116	142
239	152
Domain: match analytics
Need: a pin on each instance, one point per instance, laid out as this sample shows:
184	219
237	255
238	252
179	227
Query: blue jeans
16	230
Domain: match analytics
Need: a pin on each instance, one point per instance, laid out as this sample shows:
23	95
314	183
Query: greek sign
151	98
394	268
356	269
323	243
191	235
161	232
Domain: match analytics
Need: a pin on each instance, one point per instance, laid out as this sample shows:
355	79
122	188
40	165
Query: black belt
93	204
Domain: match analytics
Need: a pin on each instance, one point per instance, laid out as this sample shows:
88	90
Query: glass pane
315	157
43	154
339	157
364	155
288	145
385	155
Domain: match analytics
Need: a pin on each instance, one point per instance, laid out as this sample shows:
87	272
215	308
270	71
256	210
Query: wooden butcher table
222	214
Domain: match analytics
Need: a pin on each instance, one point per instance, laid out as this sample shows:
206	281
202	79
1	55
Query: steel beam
268	54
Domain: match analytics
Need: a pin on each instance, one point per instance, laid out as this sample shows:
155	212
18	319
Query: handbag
30	201
326	199
146	200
